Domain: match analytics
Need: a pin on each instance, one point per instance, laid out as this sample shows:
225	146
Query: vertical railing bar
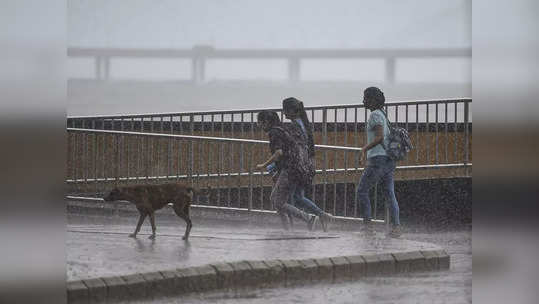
427	136
250	203
117	165
180	150
345	161
192	149
210	146
445	135
150	152
313	186
143	164
466	126
417	133
356	156
335	165
104	156
325	141
406	126
436	140
170	154
95	159
220	160
241	160
230	160
85	159
200	153
74	155
456	134
121	144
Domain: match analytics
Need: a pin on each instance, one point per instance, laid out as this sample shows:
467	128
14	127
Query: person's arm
278	153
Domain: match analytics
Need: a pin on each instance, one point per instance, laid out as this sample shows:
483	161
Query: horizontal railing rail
101	159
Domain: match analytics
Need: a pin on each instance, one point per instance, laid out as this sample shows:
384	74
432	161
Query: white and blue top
377	118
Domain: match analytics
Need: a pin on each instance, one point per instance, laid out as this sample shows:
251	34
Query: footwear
395	232
325	218
312	222
368	228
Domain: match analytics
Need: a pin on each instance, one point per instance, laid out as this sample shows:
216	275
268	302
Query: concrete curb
243	274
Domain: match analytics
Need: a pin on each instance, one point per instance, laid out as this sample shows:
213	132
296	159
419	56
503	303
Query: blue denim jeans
301	201
379	169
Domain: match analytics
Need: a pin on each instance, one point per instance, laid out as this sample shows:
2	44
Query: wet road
453	286
99	246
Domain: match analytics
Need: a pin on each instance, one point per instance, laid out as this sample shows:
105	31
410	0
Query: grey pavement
98	245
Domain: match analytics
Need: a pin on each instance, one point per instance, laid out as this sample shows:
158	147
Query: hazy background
139	85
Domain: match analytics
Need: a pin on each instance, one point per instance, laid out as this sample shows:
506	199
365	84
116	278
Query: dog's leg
184	214
140	221
188	221
152	221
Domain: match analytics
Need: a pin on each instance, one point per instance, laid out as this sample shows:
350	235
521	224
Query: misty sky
270	24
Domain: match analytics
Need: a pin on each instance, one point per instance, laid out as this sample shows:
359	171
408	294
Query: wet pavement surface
452	286
99	245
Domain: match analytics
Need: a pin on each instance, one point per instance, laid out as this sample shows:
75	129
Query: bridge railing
199	56
440	129
223	167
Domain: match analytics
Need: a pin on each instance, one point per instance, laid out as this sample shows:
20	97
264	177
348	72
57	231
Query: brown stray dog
149	198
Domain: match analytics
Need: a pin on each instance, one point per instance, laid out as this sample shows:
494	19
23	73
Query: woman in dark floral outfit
285	154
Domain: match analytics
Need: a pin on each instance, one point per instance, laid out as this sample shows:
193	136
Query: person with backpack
288	156
380	166
301	129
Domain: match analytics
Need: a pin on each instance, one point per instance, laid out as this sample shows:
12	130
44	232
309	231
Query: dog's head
113	195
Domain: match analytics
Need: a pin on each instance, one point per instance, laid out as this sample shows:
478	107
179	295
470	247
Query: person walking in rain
294	110
380	167
288	157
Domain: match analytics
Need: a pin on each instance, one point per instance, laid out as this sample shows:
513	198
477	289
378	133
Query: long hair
269	116
376	98
293	105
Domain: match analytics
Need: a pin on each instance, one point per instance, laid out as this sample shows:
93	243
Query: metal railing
440	129
101	159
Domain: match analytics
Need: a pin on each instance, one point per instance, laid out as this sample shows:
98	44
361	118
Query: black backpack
300	166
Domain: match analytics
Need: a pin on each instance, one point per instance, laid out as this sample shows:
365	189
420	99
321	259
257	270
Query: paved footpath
225	251
98	245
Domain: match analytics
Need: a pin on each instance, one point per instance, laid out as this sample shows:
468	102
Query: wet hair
374	98
270	117
293	105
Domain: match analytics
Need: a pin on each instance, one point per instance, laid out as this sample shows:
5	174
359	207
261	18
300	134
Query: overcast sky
270	24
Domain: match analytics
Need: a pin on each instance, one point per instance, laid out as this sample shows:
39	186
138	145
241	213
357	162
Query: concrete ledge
443	259
136	286
357	266
116	288
225	275
261	273
310	269
277	274
409	261
77	292
237	275
341	268
325	269
97	290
